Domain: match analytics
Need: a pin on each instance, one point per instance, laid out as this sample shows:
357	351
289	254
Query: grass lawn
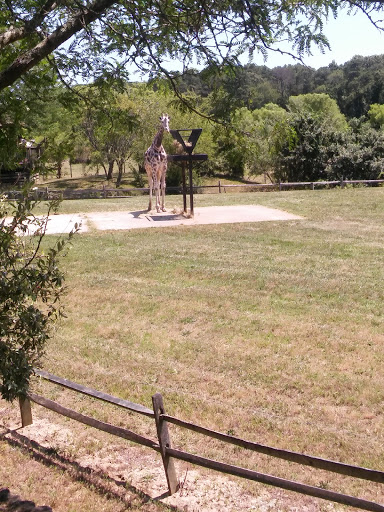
272	331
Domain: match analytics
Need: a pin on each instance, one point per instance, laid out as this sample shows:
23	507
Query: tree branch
29	59
17	33
358	6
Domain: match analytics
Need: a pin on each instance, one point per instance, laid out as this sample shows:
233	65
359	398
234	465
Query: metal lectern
188	146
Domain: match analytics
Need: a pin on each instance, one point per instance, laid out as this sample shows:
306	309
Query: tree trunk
59	166
120	166
110	170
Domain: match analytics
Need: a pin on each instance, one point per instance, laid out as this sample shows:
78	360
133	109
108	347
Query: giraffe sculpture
155	163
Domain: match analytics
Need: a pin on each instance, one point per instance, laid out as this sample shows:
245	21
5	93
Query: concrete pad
65	223
246	213
143	219
206	215
57	224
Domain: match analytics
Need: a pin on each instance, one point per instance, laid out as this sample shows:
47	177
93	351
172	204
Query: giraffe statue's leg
163	191
156	187
158	198
158	184
150	195
148	169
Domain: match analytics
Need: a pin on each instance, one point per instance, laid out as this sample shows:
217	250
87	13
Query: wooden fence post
164	442
25	411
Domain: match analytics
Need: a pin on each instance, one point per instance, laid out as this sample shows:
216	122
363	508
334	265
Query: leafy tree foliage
149	34
103	37
31	284
56	124
354	86
109	124
318	152
376	116
358	156
304	156
321	107
231	145
249	86
292	80
272	131
251	144
363	84
19	108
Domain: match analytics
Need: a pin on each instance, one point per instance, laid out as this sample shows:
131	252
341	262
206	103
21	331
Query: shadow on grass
96	480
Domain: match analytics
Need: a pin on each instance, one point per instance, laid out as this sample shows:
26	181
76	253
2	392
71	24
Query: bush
304	156
361	157
317	152
31	285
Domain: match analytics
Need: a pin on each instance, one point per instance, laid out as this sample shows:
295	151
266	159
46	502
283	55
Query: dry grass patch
270	331
45	477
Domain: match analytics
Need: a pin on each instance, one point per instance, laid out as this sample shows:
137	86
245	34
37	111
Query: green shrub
31	284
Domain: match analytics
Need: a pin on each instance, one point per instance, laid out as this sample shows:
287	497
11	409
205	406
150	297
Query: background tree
319	152
20	108
354	85
251	145
108	124
376	116
359	155
318	128
321	107
292	80
304	156
272	131
104	36
362	86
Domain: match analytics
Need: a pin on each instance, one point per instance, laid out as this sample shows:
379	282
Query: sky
347	35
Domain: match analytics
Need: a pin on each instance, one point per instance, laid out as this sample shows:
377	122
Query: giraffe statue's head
164	120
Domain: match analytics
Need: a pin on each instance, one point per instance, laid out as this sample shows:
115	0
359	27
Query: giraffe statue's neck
158	140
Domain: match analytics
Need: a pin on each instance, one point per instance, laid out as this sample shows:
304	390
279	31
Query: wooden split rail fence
105	192
163	445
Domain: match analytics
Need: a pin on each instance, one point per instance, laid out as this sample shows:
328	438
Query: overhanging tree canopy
148	33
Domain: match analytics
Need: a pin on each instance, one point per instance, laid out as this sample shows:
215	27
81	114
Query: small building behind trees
30	154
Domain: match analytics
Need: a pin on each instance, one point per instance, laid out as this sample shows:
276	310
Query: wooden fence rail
315	462
105	192
163	445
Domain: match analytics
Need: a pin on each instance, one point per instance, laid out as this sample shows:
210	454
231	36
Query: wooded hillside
355	85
